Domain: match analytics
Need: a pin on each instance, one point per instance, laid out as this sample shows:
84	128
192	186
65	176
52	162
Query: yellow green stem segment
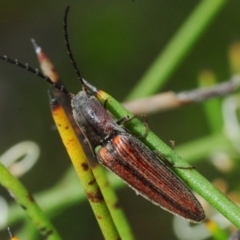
84	171
28	204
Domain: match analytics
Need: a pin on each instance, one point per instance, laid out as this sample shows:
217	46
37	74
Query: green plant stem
182	42
190	176
26	201
113	204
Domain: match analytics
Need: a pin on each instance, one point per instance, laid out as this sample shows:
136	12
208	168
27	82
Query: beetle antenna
69	52
35	71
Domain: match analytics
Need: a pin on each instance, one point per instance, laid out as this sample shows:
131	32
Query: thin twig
170	100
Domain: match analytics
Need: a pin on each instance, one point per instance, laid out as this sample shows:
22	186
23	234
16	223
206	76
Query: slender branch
170	100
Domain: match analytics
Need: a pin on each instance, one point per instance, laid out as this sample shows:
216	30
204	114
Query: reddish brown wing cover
131	160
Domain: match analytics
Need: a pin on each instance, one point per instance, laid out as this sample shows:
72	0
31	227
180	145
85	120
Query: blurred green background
114	43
